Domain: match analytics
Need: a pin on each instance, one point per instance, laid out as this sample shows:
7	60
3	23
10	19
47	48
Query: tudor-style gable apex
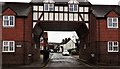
73	1
8	11
48	1
112	13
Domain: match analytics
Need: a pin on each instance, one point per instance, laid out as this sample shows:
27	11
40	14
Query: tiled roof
82	2
102	10
22	9
59	0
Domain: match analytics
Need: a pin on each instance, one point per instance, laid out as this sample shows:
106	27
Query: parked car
51	50
65	53
73	52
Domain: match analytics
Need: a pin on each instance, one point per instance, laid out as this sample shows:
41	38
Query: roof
22	9
85	2
102	10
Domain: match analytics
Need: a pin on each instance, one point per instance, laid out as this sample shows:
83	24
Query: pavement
34	65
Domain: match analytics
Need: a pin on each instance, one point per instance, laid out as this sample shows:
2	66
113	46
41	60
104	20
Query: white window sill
8	26
112	27
8	51
113	51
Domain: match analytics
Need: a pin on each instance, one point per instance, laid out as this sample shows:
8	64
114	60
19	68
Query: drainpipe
98	47
24	42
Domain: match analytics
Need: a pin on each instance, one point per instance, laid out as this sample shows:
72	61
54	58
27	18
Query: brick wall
104	35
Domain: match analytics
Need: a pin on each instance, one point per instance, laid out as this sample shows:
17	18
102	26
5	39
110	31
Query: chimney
85	0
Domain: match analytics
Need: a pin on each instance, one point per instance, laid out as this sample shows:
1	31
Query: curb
83	61
47	61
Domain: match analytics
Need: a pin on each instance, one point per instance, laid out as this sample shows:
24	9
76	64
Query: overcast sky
113	2
58	36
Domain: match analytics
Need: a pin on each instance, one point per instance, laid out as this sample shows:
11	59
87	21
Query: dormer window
112	22
73	5
8	21
48	5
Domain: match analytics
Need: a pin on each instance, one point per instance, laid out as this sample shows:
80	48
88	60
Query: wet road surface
58	61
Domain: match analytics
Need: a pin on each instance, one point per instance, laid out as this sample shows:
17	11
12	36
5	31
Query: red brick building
17	34
97	26
102	44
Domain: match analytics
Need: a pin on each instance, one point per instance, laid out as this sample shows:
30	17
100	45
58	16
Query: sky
113	2
59	35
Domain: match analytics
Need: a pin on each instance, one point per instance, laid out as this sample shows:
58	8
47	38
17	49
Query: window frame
8	45
48	9
9	21
73	7
112	48
108	24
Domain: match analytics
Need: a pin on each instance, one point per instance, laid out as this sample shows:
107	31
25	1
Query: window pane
86	9
115	43
110	22
114	24
11	20
50	16
65	8
110	46
51	7
5	48
40	8
115	48
80	9
5	43
45	16
6	17
56	8
65	16
71	5
35	17
114	19
75	7
6	20
75	17
61	16
56	16
35	8
71	9
46	7
61	8
11	46
70	17
86	18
